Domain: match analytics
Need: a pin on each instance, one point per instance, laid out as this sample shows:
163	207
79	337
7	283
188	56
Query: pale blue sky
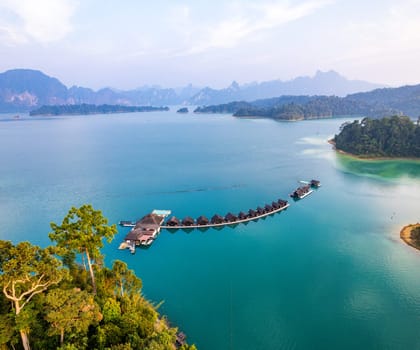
128	43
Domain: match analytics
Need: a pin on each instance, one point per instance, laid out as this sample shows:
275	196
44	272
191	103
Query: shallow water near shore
329	272
381	168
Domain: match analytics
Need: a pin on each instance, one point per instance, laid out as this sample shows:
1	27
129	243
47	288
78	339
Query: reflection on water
387	169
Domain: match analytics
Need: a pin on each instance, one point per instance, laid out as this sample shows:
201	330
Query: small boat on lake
126	223
315	183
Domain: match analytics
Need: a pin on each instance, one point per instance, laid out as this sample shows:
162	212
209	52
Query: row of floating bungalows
229	218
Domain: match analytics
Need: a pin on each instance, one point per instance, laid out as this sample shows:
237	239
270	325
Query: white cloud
10	36
397	32
42	21
250	19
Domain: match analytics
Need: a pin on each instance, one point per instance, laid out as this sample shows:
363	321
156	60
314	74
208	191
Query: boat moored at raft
125	223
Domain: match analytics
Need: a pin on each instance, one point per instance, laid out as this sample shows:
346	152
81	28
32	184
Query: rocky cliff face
22	89
25	90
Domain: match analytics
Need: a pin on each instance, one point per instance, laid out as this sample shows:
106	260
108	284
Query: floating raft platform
145	230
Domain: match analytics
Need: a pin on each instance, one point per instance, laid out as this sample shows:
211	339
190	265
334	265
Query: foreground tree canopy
387	137
50	301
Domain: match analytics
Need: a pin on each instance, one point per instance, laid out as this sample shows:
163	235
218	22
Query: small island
389	137
86	109
295	108
410	234
182	110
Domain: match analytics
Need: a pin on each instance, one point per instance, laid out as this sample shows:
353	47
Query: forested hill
85	109
387	137
405	99
377	103
299	108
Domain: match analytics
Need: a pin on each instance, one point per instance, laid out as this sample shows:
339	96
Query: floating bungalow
260	211
217	219
229	217
268	208
202	220
242	216
282	202
252	213
173	221
188	221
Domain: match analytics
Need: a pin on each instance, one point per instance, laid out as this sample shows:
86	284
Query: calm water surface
328	273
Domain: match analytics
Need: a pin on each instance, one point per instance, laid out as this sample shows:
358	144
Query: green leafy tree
27	270
111	310
82	231
396	136
6	330
126	281
70	310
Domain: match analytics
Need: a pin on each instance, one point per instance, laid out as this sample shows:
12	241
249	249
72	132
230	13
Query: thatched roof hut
217	219
275	205
282	202
229	217
188	221
252	213
134	235
242	216
202	220
149	219
173	221
260	211
268	208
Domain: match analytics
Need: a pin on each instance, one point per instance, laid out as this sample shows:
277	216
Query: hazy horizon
172	44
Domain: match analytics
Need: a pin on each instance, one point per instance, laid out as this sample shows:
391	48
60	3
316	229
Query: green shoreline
371	158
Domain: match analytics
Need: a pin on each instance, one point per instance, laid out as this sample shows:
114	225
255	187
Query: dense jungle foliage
387	137
85	109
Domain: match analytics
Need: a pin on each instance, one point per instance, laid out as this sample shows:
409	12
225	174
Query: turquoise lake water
328	273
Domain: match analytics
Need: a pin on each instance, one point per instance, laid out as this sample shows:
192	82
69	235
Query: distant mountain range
25	90
323	83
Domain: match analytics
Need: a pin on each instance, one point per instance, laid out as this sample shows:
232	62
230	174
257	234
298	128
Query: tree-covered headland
63	297
415	236
387	137
86	109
